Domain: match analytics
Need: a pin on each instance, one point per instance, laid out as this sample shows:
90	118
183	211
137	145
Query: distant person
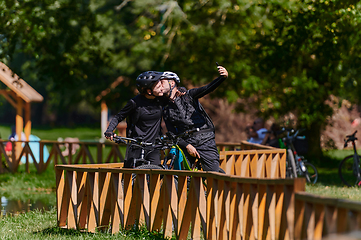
271	138
257	132
143	114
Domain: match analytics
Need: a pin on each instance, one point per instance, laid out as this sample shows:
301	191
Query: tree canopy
288	56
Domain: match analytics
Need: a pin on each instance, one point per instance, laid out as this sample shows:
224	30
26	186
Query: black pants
135	153
209	155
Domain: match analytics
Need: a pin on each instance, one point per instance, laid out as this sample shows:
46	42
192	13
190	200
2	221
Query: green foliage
289	56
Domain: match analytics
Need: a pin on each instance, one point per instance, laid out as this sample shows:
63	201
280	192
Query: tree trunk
313	136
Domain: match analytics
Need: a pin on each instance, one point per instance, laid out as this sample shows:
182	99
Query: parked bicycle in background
297	165
349	168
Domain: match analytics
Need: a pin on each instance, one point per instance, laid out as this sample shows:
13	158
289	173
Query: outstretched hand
222	71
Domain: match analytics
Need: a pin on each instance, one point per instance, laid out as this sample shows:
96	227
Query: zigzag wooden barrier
82	155
101	196
265	163
92	197
317	217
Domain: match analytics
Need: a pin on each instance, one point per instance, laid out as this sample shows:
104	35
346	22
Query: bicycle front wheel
347	172
311	173
151	166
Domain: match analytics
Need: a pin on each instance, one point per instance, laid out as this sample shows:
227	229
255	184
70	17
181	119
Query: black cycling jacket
186	113
143	118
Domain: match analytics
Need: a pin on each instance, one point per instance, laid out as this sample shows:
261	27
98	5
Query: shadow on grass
136	233
61	231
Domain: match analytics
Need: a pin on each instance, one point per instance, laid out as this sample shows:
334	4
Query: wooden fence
59	152
94	197
317	217
73	153
101	196
263	163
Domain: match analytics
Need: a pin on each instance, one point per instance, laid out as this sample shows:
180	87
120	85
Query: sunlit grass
334	191
42	225
46	133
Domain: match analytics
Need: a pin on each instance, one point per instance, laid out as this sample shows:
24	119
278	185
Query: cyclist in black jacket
144	114
185	113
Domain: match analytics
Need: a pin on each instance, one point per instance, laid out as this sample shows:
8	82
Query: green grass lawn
329	183
42	225
45	133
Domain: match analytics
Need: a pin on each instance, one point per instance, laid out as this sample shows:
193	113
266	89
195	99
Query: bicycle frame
291	152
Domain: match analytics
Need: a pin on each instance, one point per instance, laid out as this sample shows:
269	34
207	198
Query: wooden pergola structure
19	95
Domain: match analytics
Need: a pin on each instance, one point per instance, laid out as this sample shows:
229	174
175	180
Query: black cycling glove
108	134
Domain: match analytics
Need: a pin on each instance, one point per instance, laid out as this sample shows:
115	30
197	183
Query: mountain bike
297	165
349	168
175	159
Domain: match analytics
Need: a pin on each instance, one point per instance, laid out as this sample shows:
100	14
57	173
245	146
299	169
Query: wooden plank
82	199
62	198
117	217
247	213
93	214
73	203
156	209
182	201
27	128
279	213
186	219
319	219
262	213
309	220
104	200
170	205
299	219
195	187
18	85
19	124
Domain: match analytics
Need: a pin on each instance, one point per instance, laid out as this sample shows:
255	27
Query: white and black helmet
171	76
147	79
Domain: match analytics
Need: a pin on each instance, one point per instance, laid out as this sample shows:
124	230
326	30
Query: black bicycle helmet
146	80
171	76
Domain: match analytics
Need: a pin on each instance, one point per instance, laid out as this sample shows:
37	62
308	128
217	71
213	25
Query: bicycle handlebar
161	143
350	138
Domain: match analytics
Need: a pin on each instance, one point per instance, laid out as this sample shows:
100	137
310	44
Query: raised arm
202	91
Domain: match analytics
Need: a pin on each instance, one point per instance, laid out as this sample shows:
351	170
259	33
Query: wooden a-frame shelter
19	95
